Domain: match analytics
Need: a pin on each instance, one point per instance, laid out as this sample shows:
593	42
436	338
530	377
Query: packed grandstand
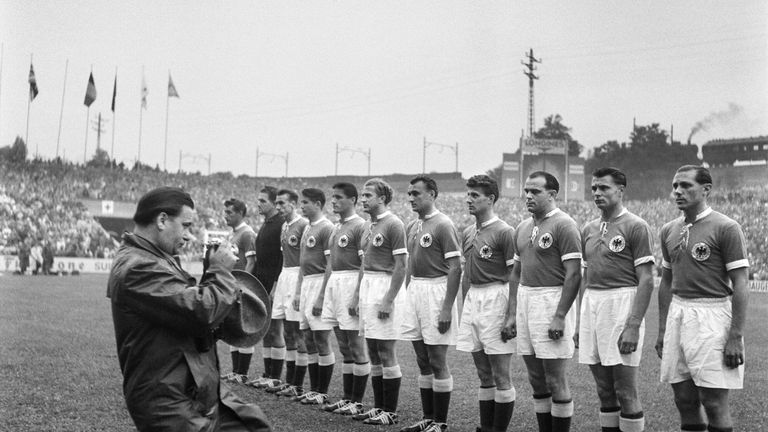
40	201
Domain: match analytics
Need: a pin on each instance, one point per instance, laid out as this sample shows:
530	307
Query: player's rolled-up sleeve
569	242
642	244
397	238
734	247
508	243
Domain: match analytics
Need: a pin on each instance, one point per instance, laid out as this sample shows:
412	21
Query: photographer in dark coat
165	322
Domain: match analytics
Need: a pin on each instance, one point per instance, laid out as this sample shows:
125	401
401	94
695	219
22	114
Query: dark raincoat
164	325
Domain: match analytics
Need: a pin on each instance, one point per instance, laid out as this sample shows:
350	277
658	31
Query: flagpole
85	147
87	116
61	113
114	125
167	104
2	51
29	103
141	113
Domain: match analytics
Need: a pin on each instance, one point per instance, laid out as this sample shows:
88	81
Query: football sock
609	419
244	363
376	385
485	396
290	365
347	378
325	372
562	411
427	395
634	422
441	391
391	385
312	368
504	405
276	365
360	373
301	370
542	405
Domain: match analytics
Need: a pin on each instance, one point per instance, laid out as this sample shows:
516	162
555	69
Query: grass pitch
59	371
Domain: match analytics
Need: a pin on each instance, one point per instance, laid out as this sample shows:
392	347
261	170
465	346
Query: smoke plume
716	119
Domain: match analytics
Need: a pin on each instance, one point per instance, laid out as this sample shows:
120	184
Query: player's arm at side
582	288
734	345
630	336
398	277
665	290
571	286
509	329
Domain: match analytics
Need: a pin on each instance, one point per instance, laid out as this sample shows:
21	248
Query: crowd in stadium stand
39	204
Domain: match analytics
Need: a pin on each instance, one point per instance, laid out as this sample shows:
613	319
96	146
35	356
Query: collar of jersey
623	212
489	221
706	212
318	221
354	215
381	216
241	226
296	219
431	215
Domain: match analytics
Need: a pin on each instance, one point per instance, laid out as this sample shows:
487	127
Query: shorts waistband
701	302
376	273
486	285
292	268
542	288
434	280
313	276
609	291
345	272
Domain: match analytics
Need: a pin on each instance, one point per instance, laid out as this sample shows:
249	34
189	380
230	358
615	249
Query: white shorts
373	287
310	289
485	308
423	302
285	289
339	292
535	309
694	340
603	314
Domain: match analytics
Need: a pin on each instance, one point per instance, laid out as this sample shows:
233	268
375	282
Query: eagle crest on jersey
311	241
617	244
293	240
343	241
486	252
426	240
700	251
545	241
378	240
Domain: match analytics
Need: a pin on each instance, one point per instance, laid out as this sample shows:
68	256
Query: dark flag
33	91
90	92
114	94
172	88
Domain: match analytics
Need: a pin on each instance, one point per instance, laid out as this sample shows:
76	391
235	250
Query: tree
15	153
555	129
100	159
648	137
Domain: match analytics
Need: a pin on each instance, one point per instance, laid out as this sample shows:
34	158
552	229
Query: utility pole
98	126
366	154
531	67
426	144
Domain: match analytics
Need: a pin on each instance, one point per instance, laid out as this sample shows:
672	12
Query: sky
292	80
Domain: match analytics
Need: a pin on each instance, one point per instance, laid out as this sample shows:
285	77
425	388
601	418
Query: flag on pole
172	88
114	94
90	92
33	91
144	92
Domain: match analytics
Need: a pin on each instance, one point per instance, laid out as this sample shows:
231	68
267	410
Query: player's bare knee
687	401
556	383
628	397
438	366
